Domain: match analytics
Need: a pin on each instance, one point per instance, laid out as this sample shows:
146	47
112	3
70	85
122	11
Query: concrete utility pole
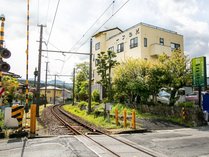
46	83
63	93
39	70
90	73
73	86
55	84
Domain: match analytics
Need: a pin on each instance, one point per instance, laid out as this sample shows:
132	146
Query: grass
98	121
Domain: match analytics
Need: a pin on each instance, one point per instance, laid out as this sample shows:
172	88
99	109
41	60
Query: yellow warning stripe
17	112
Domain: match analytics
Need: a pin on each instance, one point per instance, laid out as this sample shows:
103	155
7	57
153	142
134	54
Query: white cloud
187	17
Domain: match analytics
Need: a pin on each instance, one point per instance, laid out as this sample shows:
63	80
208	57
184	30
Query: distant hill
59	83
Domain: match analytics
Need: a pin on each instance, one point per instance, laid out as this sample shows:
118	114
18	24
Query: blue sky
74	17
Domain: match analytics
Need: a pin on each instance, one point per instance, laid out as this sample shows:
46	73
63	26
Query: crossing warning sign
1	90
17	112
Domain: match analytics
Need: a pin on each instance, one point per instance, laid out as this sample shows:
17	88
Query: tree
81	81
105	64
177	74
156	78
130	79
10	85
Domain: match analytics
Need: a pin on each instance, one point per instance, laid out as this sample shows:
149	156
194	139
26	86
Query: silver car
163	97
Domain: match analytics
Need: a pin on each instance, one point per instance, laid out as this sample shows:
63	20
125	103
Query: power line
53	21
112	4
104	23
92	25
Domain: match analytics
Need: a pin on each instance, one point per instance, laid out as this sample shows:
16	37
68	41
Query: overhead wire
104	23
53	21
93	24
112	4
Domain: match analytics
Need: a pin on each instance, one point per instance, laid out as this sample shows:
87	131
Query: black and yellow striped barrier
17	112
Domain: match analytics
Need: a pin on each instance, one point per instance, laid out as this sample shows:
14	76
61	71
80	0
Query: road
183	142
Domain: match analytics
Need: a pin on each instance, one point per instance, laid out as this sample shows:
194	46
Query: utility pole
63	91
46	84
39	70
90	73
73	86
2	18
55	84
35	75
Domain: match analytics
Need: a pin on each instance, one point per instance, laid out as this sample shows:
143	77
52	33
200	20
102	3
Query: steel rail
94	129
76	132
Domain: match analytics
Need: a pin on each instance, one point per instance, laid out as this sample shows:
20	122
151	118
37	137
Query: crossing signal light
5	67
4	53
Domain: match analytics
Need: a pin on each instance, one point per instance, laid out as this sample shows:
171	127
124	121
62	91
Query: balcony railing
157	49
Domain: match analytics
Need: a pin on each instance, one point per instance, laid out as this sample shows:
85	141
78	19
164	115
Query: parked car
163	97
194	97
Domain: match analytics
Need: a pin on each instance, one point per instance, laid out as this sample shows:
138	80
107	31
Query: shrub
94	104
95	96
186	104
82	105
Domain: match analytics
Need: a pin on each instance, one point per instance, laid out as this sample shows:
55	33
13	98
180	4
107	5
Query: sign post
199	76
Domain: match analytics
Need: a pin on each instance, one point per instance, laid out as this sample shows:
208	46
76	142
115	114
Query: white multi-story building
140	41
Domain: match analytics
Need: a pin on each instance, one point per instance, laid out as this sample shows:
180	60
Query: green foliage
177	73
96	96
156	78
82	95
186	104
1	119
82	105
130	79
94	104
105	63
98	121
81	81
10	85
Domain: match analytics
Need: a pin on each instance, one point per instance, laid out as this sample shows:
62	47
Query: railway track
79	128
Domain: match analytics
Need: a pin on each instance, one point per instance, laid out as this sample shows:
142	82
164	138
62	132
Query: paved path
185	142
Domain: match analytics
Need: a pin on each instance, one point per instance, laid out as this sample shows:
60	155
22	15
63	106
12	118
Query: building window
120	47
145	42
97	46
161	41
111	48
174	46
96	62
134	42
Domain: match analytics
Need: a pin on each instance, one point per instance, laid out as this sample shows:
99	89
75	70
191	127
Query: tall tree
105	64
156	78
81	85
177	73
130	79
